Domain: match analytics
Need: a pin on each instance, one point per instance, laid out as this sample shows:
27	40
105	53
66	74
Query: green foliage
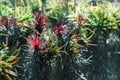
5	11
23	14
102	17
8	58
65	43
58	11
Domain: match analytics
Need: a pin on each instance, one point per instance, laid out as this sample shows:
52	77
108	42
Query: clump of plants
60	43
55	43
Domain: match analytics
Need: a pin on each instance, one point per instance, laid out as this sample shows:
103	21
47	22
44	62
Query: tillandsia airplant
9	56
40	21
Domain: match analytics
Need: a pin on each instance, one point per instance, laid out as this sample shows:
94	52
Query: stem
42	6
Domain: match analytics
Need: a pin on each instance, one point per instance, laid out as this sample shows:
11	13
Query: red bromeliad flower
36	43
4	21
60	30
40	21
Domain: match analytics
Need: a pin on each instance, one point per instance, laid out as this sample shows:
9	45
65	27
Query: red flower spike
44	20
36	43
40	19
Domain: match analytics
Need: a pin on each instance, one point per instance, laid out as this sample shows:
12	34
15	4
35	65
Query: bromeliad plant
61	40
9	56
9	48
9	28
13	31
36	43
38	46
103	19
40	22
67	43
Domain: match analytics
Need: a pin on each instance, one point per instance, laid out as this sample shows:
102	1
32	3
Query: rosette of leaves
41	22
9	56
9	27
38	49
70	43
13	31
103	17
100	18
